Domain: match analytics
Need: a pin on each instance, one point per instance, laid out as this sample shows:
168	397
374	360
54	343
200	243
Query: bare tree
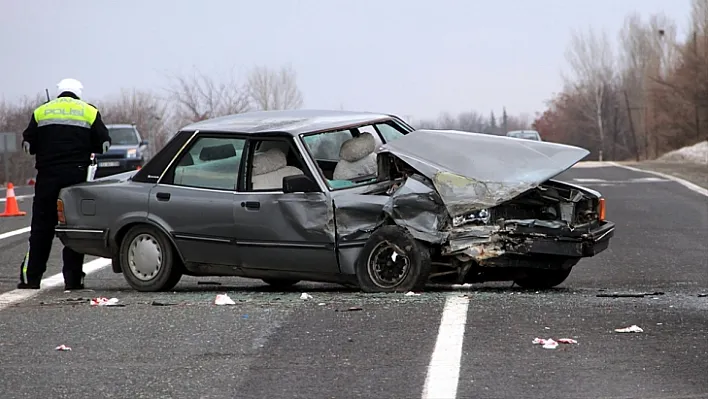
146	110
592	66
14	118
199	97
274	89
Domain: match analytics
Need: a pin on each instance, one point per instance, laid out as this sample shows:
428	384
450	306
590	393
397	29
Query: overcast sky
410	57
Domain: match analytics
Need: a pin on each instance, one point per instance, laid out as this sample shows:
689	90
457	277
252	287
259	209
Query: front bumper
108	167
85	240
576	243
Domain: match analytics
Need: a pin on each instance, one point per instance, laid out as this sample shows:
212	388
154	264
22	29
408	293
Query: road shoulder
694	173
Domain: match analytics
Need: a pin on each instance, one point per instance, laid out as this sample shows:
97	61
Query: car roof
288	121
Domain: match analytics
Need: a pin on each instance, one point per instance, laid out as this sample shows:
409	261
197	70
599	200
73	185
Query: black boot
75	285
28	286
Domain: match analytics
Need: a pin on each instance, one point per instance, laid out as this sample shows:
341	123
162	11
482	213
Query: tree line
193	97
638	99
158	114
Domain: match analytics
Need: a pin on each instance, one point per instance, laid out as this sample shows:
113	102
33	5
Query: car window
272	160
123	136
210	163
357	166
389	132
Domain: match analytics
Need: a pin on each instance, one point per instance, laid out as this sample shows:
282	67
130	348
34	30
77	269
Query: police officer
62	134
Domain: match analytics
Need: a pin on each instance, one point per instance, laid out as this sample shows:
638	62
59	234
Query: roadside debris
62	348
223	299
631	329
552	344
629	294
305	295
352	309
156	303
702	295
103	301
411	293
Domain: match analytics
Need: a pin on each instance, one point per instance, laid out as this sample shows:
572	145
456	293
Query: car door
282	231
195	200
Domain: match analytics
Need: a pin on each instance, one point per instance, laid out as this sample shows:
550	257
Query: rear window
123	136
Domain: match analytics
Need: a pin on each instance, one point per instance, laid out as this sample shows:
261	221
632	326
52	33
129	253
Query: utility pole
631	124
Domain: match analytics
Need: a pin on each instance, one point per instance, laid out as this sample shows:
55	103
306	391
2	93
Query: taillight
60	212
601	209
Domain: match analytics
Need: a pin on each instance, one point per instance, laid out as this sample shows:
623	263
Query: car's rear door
278	231
195	200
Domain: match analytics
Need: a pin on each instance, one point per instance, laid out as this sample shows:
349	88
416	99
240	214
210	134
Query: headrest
358	147
268	161
217	152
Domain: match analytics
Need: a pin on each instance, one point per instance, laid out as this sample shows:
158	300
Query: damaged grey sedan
359	199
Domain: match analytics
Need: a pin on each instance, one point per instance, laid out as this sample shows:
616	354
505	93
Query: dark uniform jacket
64	132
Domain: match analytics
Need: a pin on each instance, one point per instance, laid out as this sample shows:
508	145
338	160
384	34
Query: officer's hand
105	146
26	147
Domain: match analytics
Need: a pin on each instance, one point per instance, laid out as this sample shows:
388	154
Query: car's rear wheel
393	261
280	283
148	260
546	278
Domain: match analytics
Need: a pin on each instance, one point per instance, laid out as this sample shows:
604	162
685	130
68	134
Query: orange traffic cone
11	207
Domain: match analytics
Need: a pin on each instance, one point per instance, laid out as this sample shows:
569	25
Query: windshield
524	135
123	136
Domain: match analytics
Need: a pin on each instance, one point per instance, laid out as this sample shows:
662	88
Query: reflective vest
66	111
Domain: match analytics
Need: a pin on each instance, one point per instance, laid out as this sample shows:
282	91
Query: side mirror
299	184
145	142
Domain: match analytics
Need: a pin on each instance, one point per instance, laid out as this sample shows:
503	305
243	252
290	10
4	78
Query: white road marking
14	232
444	368
693	187
616	182
15	296
18	197
581	180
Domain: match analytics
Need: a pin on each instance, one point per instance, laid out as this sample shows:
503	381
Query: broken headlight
477	217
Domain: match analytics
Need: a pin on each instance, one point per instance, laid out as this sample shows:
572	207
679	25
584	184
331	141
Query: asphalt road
275	345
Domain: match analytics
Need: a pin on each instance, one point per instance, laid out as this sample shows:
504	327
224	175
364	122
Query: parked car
359	199
128	151
525	134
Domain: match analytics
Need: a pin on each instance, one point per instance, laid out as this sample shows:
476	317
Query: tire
280	283
411	255
155	245
542	279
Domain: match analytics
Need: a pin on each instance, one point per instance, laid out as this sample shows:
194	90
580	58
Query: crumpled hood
472	171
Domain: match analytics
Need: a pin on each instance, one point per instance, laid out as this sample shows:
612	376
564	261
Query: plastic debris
411	293
394	255
550	343
62	348
567	341
223	299
631	329
547	343
305	295
103	301
321	304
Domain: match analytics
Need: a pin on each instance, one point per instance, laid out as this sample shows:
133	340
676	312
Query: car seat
269	168
357	158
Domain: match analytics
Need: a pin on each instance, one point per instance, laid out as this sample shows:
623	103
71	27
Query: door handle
163	196
251	205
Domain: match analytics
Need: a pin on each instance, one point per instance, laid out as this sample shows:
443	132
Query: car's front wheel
148	260
393	261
